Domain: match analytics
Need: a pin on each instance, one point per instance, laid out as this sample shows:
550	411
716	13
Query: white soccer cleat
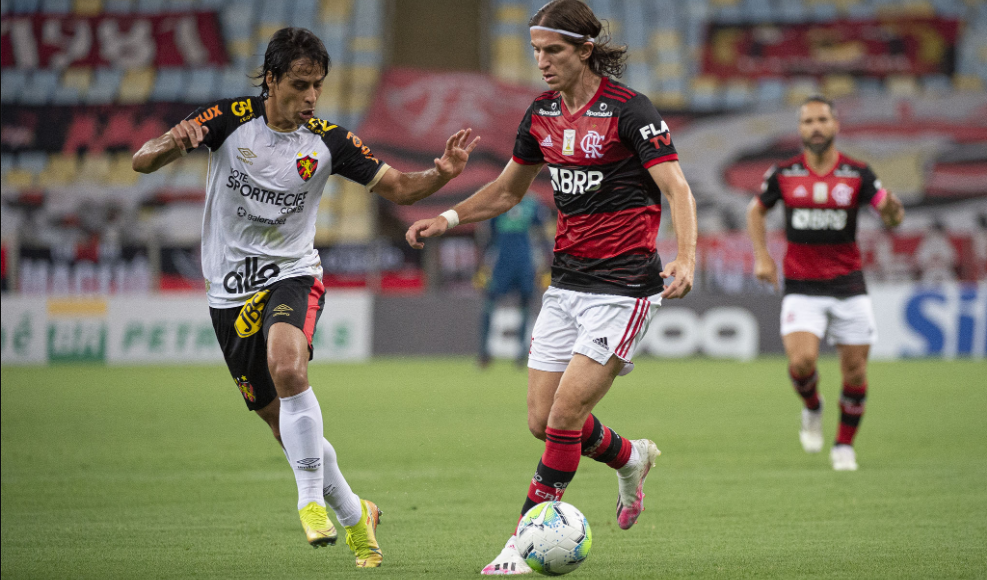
844	458
811	433
630	486
508	563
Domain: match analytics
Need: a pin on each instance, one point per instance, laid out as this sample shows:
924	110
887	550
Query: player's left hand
456	155
683	273
892	211
421	229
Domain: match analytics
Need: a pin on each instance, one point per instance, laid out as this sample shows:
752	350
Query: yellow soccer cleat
362	537
318	529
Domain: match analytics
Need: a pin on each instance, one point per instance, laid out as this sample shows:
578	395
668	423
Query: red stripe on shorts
314	296
630	324
623	349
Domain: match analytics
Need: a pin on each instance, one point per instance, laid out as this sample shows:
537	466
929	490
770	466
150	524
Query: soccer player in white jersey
270	159
611	158
822	191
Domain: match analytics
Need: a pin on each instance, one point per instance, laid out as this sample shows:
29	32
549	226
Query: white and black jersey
262	194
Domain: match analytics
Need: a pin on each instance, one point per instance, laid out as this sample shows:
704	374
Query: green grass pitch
161	473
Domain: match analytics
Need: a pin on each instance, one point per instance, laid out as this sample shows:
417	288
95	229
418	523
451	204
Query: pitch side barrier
947	321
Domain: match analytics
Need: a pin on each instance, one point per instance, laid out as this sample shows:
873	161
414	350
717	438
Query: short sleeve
770	188
223	117
642	130
526	148
871	190
351	157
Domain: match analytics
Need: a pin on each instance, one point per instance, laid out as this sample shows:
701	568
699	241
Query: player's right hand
421	229
188	134
766	271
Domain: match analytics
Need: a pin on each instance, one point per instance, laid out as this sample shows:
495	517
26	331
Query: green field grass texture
162	473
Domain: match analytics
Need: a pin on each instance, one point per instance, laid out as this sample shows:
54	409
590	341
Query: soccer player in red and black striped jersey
825	294
611	158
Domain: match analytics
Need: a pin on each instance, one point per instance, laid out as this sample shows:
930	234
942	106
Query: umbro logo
547	141
602	342
246	155
309	463
283	310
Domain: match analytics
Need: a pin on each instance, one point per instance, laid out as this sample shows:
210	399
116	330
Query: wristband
451	216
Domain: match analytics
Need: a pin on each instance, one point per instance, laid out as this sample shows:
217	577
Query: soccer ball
554	538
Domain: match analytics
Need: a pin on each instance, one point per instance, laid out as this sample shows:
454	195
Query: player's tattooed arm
765	268
407	188
161	151
892	210
669	178
490	201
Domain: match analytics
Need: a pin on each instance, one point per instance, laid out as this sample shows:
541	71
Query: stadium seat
56	6
25	6
136	86
39	87
4	7
115	6
770	93
937	84
61	170
738	95
94	169
901	86
65	95
235	82
970	83
199	89
792	11
335	10
304	14
190	173
121	173
168	85
824	11
105	86
6	163
801	88
837	86
758	10
12	82
18	179
150	6
870	86
33	162
705	94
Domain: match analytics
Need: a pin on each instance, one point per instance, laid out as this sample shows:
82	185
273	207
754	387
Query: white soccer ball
554	538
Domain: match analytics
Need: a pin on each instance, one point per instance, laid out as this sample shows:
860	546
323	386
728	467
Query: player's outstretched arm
892	210
407	188
669	178
491	200
764	266
161	151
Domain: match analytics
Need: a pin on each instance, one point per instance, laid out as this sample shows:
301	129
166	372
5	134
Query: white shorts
840	320
595	325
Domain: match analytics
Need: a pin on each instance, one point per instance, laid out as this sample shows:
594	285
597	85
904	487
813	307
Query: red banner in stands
915	46
57	41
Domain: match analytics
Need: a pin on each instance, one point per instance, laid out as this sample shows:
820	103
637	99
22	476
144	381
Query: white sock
337	492
301	435
632	462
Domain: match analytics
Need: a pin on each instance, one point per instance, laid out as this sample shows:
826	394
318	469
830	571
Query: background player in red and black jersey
611	157
825	293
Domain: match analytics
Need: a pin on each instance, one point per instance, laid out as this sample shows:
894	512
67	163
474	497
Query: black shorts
242	332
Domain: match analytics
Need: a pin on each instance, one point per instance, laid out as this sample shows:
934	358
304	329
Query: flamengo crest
306	166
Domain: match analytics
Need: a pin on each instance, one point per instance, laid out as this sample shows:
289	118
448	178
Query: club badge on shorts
251	316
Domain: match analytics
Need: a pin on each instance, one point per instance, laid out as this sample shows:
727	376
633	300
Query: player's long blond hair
607	58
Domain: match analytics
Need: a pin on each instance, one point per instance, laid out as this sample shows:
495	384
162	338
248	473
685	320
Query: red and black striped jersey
822	258
609	205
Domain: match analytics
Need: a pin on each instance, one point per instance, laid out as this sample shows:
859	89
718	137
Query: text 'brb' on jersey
609	206
262	194
821	223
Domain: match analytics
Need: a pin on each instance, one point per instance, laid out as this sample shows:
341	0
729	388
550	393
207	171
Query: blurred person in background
825	293
611	158
936	257
508	246
270	159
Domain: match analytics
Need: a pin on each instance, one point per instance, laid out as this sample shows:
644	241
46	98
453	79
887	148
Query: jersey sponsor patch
574	181
819	219
252	277
251	315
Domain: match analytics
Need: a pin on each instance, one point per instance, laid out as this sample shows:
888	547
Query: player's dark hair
820	99
286	46
607	58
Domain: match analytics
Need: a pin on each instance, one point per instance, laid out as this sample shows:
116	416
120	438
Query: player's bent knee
537	429
290	378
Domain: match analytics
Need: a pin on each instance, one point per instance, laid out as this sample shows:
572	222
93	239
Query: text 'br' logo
306	166
592	145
